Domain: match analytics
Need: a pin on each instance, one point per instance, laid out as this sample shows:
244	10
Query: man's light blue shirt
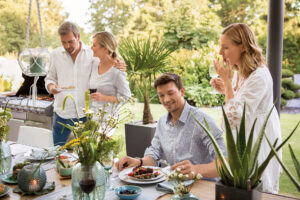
185	140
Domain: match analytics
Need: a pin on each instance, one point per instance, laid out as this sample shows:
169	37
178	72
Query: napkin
168	186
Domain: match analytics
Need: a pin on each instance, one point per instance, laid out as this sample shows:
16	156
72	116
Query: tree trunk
147	117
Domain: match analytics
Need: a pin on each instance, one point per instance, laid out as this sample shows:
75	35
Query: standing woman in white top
110	82
253	85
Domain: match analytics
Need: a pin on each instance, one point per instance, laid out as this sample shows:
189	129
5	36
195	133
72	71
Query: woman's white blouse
111	83
257	92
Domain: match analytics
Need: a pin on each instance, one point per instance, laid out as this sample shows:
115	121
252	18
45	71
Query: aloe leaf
293	179
233	156
242	132
217	148
271	154
247	151
254	178
257	145
264	165
296	162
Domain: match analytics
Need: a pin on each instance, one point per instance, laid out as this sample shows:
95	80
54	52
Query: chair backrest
35	136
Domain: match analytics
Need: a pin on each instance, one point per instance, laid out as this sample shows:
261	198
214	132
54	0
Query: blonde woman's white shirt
257	92
64	72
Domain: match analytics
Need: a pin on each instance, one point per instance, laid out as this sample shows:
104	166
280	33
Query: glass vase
188	196
88	182
5	158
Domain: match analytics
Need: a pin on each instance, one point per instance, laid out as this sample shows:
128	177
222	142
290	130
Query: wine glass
87	183
108	163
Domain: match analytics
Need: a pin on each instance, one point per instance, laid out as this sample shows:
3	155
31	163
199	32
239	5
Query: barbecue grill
27	113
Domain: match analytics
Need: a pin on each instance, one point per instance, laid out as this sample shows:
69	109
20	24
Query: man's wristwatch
141	162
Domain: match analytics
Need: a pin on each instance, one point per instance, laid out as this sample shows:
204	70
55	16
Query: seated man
178	137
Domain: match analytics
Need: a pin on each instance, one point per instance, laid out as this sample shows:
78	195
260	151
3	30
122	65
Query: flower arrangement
91	142
5	116
179	181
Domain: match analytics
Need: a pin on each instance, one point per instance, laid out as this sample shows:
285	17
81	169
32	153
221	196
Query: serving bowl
133	192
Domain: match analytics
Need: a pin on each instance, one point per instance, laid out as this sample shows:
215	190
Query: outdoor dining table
205	190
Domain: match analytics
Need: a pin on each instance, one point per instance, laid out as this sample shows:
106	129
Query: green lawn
287	121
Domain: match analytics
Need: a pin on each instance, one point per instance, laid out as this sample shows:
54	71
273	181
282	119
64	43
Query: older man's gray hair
66	27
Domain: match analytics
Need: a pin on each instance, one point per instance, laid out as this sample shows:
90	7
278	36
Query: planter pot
5	158
32	178
138	138
224	192
88	182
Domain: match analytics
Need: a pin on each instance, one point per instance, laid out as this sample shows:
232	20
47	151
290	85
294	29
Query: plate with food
9	179
142	175
65	89
4	190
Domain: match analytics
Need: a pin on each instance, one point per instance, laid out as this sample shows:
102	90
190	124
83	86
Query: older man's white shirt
64	72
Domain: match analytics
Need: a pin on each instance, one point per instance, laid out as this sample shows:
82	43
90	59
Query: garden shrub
283	102
286	73
297	94
287	83
288	94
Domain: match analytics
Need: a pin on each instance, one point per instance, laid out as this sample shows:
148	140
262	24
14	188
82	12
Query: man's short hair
66	27
166	78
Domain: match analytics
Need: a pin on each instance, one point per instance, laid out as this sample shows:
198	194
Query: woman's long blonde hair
107	40
251	56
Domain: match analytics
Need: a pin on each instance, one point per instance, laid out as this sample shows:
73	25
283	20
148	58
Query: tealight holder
32	178
34	61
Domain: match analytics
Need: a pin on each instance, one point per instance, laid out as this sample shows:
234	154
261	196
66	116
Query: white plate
6	191
123	175
31	158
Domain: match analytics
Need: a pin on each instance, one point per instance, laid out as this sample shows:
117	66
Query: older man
178	137
69	74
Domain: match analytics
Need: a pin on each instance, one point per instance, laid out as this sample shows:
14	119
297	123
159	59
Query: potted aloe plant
144	59
240	176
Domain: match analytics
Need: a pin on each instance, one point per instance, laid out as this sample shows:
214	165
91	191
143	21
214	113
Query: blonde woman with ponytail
110	82
252	85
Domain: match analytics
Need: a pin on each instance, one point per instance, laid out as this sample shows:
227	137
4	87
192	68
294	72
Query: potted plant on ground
240	176
144	59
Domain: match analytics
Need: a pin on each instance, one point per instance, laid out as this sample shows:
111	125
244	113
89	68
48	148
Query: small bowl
137	189
65	171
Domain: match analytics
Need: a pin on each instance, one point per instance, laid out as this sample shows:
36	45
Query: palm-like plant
144	59
242	169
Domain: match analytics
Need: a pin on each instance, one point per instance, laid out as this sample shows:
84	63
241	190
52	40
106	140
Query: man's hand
127	162
52	88
120	65
186	168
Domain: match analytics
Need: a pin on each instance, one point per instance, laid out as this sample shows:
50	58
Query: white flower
199	176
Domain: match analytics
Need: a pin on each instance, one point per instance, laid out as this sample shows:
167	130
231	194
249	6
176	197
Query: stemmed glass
87	183
108	164
212	71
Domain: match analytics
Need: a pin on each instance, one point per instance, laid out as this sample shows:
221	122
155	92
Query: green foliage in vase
91	142
5	116
144	59
242	169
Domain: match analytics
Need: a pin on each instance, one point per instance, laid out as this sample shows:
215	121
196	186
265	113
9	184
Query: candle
33	185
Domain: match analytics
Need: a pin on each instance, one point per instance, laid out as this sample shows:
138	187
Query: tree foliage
13	24
110	15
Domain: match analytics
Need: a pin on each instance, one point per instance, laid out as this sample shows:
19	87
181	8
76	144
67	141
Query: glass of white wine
213	74
108	163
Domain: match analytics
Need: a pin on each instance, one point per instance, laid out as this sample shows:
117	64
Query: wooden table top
205	190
